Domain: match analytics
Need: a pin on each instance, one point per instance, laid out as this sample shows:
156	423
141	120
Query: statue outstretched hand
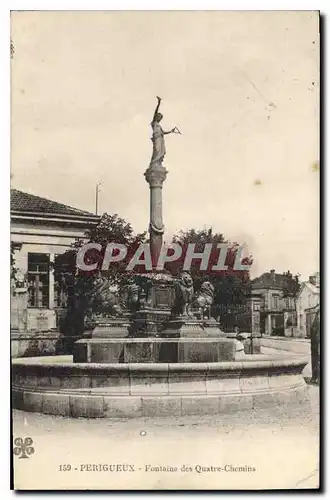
175	130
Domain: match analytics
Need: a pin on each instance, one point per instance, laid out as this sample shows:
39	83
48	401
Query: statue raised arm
156	113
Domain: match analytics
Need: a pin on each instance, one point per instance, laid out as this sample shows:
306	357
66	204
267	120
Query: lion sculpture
104	302
184	292
204	299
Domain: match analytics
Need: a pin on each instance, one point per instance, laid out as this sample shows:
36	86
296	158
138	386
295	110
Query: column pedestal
155	176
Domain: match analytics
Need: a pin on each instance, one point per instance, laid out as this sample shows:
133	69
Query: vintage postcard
165	285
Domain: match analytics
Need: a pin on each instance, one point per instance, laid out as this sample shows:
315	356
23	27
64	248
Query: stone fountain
159	352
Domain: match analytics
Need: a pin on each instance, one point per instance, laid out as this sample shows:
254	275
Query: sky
243	88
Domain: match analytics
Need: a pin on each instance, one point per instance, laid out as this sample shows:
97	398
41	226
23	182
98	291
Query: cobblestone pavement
281	444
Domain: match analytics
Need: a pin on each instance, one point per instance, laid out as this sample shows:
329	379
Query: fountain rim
263	362
101	390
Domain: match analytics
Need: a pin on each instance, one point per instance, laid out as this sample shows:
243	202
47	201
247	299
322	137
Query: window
287	302
275	301
38	280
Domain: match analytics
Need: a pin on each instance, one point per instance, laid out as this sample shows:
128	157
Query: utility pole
97	190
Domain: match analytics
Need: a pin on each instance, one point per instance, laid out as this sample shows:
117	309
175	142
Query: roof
270	280
25	202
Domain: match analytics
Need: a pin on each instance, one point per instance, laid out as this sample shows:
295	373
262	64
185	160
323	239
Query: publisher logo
23	447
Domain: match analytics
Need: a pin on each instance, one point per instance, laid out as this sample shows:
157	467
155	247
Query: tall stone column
155	176
255	315
268	324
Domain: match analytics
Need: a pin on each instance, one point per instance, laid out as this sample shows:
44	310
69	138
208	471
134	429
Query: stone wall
35	344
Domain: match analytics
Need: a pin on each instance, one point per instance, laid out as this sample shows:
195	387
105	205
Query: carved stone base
154	350
212	329
147	323
176	328
183	326
186	327
111	328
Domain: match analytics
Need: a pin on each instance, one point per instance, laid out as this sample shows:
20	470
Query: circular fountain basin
55	385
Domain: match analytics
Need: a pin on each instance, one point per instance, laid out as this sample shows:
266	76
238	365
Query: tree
78	283
111	229
232	287
291	286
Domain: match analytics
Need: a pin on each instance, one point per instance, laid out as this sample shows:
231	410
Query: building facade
308	301
277	303
41	230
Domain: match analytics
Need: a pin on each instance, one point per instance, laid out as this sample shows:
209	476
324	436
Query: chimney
272	276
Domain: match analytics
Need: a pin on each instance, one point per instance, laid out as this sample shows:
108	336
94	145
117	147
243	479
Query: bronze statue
132	295
158	133
184	292
204	299
145	292
103	302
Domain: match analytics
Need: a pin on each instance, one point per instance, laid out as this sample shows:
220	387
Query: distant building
41	230
308	305
277	303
